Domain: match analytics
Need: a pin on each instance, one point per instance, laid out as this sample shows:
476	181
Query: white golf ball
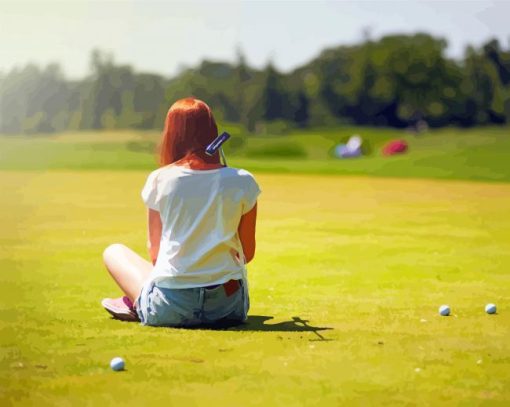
117	364
444	310
490	308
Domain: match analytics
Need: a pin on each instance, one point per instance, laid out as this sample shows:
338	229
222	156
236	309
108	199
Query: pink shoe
120	308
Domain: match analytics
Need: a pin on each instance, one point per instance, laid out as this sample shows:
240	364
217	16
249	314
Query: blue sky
163	36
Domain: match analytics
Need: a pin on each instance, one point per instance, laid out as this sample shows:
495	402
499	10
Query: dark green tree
273	94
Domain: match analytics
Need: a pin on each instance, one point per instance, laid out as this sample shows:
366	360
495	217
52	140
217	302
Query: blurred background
350	270
322	80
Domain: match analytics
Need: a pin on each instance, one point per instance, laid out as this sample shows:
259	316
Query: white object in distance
354	143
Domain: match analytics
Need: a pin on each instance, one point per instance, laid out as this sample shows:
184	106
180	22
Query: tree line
395	81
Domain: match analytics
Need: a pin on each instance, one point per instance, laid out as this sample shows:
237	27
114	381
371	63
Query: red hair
189	128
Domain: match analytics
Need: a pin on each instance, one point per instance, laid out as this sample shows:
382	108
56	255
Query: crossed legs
128	269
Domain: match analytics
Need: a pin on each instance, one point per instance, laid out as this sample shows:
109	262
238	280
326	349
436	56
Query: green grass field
474	154
364	261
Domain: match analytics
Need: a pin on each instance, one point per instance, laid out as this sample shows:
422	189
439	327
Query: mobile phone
216	145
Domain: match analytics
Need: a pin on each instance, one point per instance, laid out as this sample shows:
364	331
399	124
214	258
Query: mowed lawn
345	287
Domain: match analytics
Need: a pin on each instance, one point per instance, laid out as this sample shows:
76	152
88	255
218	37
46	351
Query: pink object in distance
395	147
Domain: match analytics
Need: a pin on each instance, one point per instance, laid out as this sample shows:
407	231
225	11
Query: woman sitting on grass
201	232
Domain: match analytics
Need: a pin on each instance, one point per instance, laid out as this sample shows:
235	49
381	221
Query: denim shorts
158	306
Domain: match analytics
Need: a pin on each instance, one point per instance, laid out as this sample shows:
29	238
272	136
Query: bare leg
128	269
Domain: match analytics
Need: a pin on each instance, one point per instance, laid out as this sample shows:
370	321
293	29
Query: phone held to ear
216	145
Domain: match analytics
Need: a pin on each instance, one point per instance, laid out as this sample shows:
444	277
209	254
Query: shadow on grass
258	323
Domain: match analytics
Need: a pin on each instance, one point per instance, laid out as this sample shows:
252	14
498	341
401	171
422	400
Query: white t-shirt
200	212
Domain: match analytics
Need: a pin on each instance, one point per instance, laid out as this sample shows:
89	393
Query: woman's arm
246	232
154	228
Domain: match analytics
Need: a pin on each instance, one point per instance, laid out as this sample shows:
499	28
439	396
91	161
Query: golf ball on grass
444	310
117	364
490	308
